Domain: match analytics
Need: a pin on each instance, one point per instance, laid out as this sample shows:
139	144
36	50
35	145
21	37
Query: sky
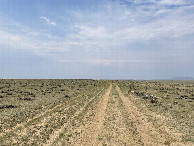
96	39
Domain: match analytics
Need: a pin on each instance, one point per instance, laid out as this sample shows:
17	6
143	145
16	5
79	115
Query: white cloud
102	37
101	61
160	2
97	35
33	44
171	2
48	21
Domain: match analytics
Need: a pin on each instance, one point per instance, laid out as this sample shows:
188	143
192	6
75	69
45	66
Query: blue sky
100	39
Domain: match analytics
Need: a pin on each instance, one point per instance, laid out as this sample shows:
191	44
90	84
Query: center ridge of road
108	118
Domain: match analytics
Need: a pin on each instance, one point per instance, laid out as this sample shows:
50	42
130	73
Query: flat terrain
96	112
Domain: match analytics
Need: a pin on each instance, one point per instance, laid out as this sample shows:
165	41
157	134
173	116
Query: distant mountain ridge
183	78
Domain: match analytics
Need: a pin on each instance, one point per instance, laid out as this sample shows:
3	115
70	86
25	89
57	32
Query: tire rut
37	127
91	130
20	125
118	129
53	137
149	135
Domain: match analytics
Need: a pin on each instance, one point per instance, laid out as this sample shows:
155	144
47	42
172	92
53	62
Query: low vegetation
172	99
97	112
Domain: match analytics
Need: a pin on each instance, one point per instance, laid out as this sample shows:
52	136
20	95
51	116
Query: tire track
36	128
118	129
20	125
149	135
91	131
152	133
53	137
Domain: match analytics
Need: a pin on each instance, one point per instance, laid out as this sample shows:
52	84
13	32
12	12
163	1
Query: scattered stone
67	96
25	98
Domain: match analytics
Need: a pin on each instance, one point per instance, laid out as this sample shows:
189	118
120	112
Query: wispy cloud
101	61
131	35
48	21
31	42
161	2
131	30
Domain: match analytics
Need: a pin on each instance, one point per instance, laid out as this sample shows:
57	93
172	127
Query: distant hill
183	78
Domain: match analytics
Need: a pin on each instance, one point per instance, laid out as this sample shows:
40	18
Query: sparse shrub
7	106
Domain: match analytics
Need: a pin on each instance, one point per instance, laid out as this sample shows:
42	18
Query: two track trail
115	120
93	127
149	135
107	118
118	128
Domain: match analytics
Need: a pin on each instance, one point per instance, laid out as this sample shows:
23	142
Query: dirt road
115	120
109	118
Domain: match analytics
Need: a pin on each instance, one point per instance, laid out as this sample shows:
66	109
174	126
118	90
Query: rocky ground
99	113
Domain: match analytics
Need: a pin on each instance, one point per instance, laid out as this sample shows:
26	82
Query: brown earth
105	119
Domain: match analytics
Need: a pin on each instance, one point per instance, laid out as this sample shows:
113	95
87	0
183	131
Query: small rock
67	96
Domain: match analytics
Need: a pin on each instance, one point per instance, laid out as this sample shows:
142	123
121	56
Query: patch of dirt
101	115
118	128
20	125
56	135
149	134
91	130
